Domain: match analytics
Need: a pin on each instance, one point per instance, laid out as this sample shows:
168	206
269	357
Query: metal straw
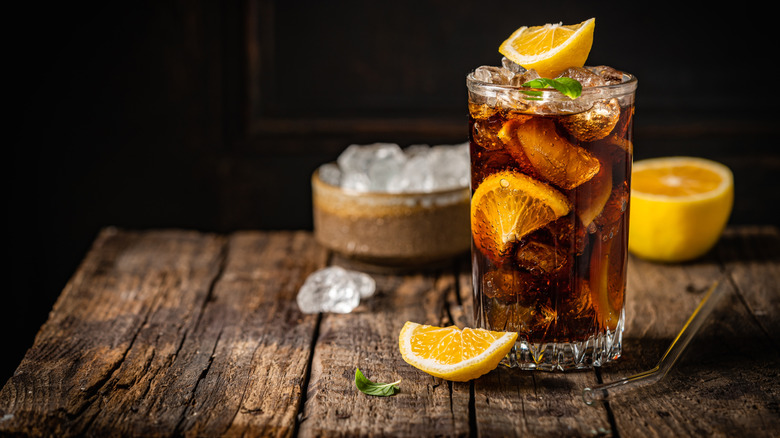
606	390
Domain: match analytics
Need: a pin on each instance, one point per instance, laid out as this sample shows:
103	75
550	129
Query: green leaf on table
566	86
378	389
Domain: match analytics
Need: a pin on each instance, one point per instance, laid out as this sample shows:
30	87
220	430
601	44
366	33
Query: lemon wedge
550	49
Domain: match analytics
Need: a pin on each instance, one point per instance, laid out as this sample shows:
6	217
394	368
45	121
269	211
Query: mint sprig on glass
566	86
377	389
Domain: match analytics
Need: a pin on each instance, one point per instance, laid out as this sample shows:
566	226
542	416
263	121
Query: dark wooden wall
212	115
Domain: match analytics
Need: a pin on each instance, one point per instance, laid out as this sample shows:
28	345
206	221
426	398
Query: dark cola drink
550	182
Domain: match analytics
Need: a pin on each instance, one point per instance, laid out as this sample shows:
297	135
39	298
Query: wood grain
368	338
161	334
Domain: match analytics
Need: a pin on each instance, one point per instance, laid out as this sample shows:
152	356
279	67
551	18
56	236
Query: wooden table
172	332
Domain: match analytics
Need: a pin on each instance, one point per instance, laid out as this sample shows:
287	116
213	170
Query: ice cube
595	123
493	75
526	76
481	111
485	133
330	174
414	176
569	233
334	289
511	65
584	76
370	167
450	165
357	181
540	258
611	76
508	285
415	150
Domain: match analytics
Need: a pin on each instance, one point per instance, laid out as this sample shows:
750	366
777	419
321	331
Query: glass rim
628	86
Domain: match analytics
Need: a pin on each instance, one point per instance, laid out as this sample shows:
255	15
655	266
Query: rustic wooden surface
170	333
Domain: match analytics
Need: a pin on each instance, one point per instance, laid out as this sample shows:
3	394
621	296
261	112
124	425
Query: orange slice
452	353
679	207
552	156
507	206
592	196
607	279
550	49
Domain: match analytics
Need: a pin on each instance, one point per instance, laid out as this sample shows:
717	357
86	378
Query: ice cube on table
334	290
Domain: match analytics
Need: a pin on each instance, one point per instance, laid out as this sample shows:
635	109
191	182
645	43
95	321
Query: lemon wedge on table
679	207
452	353
550	49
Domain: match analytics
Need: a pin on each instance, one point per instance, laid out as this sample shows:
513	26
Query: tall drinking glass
550	185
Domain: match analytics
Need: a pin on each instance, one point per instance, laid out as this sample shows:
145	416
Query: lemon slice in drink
452	353
507	206
679	207
550	49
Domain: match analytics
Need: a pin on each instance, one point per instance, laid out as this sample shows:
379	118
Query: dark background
212	115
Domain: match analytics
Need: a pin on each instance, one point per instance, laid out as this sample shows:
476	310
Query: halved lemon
550	49
679	207
452	353
508	205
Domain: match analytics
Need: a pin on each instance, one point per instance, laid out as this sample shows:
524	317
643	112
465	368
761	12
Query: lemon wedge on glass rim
679	207
550	49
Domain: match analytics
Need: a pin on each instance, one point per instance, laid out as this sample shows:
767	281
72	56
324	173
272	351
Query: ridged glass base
562	356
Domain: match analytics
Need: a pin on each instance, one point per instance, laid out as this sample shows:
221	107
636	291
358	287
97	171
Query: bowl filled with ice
385	205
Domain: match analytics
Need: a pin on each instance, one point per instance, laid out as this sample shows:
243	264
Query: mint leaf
371	388
566	86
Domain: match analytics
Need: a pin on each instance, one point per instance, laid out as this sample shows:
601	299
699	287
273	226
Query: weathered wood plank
368	338
247	338
128	305
215	344
725	383
752	257
255	384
